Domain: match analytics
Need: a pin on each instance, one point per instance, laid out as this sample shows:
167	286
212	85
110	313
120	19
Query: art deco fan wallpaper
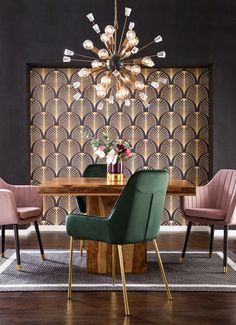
172	133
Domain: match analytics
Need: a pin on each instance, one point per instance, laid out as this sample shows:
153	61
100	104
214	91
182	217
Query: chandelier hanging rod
115	24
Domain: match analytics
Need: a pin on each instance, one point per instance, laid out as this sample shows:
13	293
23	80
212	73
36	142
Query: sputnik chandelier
121	71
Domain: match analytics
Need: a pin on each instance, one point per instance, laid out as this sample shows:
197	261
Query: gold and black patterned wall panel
173	133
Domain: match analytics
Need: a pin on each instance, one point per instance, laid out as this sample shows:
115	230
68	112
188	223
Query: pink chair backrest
222	188
4	185
24	195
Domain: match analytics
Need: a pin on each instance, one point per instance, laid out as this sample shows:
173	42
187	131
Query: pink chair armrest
231	213
8	209
200	200
27	196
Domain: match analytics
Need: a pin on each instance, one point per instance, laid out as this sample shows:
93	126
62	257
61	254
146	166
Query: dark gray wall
196	33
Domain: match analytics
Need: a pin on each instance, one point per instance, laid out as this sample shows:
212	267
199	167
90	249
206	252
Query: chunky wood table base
99	254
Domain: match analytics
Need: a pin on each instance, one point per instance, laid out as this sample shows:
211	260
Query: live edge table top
102	187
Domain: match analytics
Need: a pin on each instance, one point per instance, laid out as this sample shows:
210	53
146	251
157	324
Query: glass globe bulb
124	91
103	54
106	80
130	34
88	45
104	38
135	69
147	61
96	64
100	87
83	73
119	95
139	85
110	30
101	93
134	41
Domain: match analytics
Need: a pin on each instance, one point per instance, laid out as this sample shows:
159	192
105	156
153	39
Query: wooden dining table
101	196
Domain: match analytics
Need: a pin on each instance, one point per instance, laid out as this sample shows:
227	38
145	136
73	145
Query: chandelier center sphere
114	63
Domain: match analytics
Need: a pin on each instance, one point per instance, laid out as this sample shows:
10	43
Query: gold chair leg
162	270
70	268
81	246
19	267
122	272
113	265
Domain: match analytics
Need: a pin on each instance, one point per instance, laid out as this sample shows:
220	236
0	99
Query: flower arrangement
114	151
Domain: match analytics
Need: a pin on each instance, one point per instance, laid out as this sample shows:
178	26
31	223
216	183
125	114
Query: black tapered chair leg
39	239
3	240
211	240
225	247
186	241
17	245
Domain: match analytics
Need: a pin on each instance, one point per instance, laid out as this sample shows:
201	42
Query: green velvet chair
93	170
136	217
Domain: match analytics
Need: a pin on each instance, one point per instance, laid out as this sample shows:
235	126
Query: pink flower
100	152
128	152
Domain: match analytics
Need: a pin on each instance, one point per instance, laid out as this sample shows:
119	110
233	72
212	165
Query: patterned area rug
197	273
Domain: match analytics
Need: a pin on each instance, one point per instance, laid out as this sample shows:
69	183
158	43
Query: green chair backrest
137	214
93	170
96	170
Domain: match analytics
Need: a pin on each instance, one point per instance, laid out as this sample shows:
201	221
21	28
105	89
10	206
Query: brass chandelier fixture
121	71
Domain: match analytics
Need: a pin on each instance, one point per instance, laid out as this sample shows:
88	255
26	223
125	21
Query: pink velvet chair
19	205
214	204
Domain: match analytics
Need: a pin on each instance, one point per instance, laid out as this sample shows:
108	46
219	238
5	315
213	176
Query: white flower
112	157
100	153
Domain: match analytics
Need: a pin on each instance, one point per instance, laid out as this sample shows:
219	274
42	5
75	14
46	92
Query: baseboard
42	228
220	233
183	228
169	229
